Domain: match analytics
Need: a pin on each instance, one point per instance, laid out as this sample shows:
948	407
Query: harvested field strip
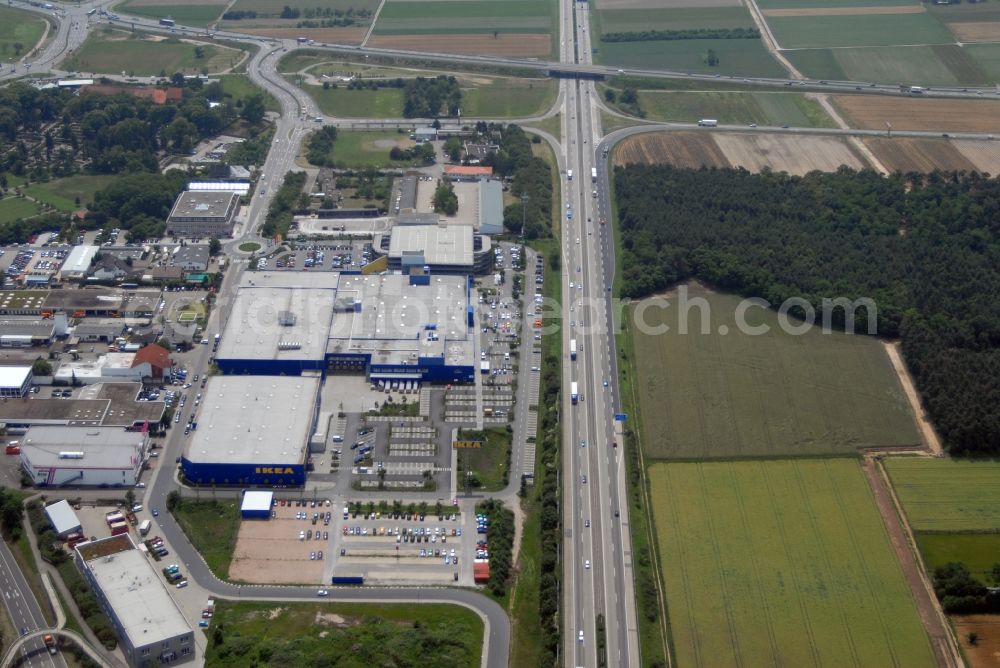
780	563
988	31
906	154
845	11
795	155
947	494
684	149
984	155
870	112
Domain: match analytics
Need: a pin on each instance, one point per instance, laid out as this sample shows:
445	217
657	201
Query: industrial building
389	326
85	303
253	430
30	331
490	207
15	381
77	264
151	628
256	505
86	456
63	519
467	172
202	214
441	249
192	257
106	405
110	367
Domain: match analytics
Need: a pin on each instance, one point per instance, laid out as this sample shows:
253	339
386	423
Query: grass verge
211	526
488	467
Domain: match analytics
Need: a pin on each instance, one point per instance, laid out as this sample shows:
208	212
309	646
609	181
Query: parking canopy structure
256	505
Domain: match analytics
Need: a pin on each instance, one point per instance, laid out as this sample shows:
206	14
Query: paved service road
24	611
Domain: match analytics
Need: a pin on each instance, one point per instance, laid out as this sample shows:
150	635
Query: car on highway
586	563
586	523
322	592
579	636
583	443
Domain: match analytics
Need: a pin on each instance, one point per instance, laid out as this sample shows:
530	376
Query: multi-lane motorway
24	612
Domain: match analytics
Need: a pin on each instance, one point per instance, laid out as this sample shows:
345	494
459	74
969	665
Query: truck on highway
593	174
574	393
50	643
917	89
572	349
168	22
708	123
348	579
569	174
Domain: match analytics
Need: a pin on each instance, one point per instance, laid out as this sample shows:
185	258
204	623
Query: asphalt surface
24	611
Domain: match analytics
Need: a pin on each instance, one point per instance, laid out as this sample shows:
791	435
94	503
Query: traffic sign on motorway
620	417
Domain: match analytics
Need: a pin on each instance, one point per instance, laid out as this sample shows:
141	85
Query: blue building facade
244	474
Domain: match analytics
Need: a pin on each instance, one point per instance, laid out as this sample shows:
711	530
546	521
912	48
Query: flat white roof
278	323
255	419
440	244
14	376
79	259
101	447
147	613
62	517
257	501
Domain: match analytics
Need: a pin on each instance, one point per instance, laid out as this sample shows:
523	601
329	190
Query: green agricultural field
794	109
343	634
417	17
12	208
507	98
63	193
800	32
978	551
780	563
947	494
740	57
942	65
367	103
112	51
987	58
19	32
966	12
739	395
357	149
189	15
688	18
797	4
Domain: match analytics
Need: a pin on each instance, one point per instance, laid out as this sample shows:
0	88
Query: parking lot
343	255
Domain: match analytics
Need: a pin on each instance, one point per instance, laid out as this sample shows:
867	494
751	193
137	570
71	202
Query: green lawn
947	494
508	98
741	395
869	30
357	103
343	634
189	15
357	149
781	563
978	551
943	65
491	463
688	18
741	57
238	87
794	109
212	527
409	17
63	193
18	27
12	208
114	51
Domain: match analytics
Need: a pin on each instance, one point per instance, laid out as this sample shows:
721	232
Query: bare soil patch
795	155
270	552
681	149
506	44
664	4
907	154
932	115
844	11
353	35
985	155
986	652
985	31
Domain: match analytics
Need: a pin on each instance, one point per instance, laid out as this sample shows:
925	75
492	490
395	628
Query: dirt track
927	432
923	595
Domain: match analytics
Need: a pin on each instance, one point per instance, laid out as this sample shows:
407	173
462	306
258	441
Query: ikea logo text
275	470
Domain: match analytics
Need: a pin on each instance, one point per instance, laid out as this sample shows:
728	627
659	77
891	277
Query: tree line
428	98
530	175
925	248
282	208
673	35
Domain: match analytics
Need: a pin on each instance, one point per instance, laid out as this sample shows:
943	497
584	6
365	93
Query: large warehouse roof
440	245
137	593
278	323
255	419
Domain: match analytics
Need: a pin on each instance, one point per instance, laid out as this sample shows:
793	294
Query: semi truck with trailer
347	579
569	174
708	123
572	349
593	174
574	393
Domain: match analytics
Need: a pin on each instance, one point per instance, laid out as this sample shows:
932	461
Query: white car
322	592
586	563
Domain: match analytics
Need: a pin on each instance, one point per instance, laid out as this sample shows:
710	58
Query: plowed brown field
984	31
681	149
985	155
506	44
928	114
906	154
986	652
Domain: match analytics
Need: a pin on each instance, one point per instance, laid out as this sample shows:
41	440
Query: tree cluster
445	199
428	98
551	524
138	203
673	35
924	248
500	537
962	594
10	514
282	208
532	176
319	150
421	152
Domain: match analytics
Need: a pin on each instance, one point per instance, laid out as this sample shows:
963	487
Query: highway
24	612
